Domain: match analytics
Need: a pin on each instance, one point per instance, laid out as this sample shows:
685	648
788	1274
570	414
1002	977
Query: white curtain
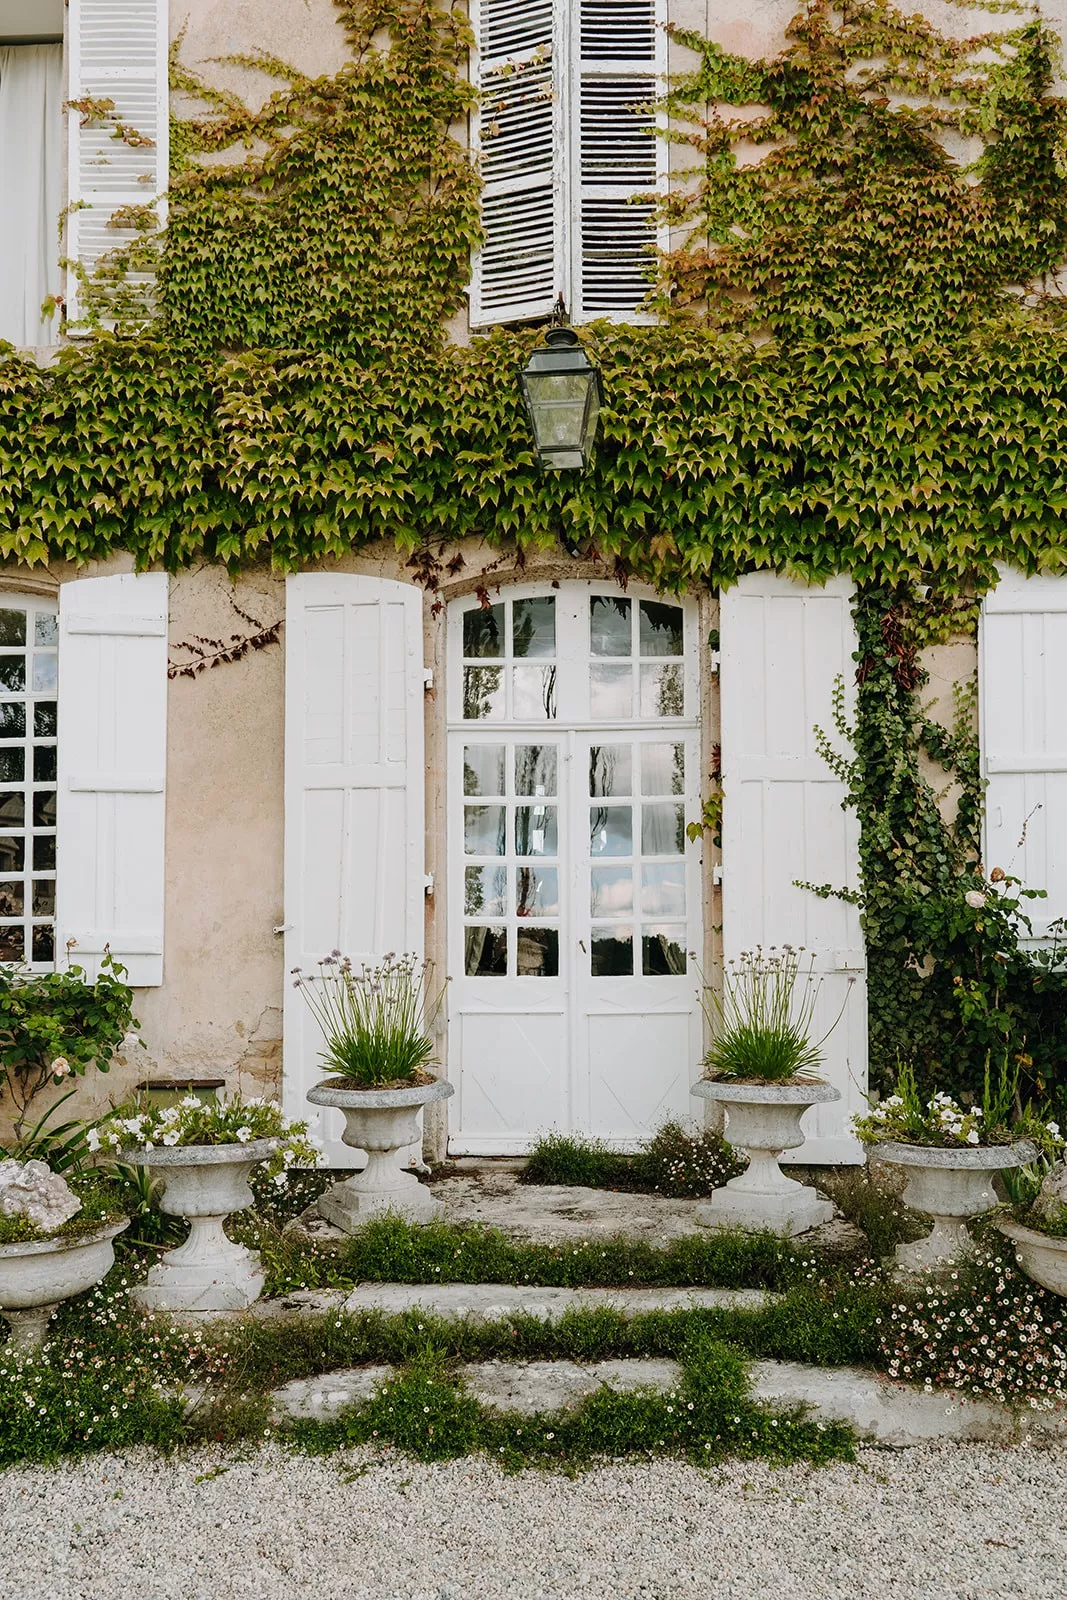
31	188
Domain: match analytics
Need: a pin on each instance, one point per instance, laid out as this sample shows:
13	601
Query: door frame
696	729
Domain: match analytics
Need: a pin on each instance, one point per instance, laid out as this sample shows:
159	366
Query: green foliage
108	1378
708	1417
870	1199
230	1119
55	1026
856	215
675	1161
392	1251
951	986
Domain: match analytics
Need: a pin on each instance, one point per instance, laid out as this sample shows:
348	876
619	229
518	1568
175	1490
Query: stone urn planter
763	1120
950	1185
205	1183
1042	1256
381	1122
36	1275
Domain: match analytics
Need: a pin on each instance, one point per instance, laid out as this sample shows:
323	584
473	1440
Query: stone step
488	1302
884	1413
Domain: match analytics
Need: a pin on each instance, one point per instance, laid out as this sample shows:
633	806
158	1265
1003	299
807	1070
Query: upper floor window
32	91
109	61
566	138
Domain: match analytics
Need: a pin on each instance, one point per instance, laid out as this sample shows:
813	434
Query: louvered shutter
118	51
355	847
1023	720
112	739
615	154
783	647
517	134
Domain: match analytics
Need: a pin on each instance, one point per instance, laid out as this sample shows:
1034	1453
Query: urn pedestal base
382	1122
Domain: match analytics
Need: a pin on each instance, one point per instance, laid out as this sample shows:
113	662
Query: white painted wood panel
1023	721
354	795
111	806
783	646
118	51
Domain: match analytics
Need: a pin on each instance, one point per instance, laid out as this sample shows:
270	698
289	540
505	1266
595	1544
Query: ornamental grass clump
377	1022
230	1120
761	1019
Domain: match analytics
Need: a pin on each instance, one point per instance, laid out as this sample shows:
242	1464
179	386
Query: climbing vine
952	985
859	366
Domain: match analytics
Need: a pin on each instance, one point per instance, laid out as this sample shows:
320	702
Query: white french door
574	894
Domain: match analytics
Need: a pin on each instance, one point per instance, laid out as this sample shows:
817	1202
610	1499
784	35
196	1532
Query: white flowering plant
193	1121
943	1123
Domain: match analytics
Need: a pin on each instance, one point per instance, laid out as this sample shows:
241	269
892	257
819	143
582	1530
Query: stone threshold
892	1415
491	1302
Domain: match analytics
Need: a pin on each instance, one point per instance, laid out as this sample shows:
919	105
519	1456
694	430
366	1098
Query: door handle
581	946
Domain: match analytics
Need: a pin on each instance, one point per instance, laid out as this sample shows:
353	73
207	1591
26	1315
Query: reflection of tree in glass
548	691
474	896
480	688
670	692
533	627
609	625
663	956
678	763
607	774
483	631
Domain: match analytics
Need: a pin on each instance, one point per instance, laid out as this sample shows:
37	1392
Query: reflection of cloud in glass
611	892
663	769
663	890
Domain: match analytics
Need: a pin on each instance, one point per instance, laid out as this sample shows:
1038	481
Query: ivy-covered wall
859	367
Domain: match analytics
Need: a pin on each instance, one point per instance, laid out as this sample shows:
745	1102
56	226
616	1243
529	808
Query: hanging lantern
563	395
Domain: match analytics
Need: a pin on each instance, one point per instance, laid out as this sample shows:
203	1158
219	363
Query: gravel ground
941	1523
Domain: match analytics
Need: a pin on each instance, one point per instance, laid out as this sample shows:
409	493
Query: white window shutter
615	154
112	772
118	51
517	134
355	847
1023	722
783	647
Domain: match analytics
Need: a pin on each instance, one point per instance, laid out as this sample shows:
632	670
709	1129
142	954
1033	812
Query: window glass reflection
611	892
533	626
535	831
610	629
662	830
483	631
536	892
610	770
663	769
483	769
485	952
534	693
663	890
663	690
483	693
610	830
661	629
537	952
611	953
536	767
485	892
483	830
611	693
663	952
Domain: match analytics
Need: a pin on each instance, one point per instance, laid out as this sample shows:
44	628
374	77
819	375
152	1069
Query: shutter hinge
427	677
282	927
427	884
714	660
716	874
